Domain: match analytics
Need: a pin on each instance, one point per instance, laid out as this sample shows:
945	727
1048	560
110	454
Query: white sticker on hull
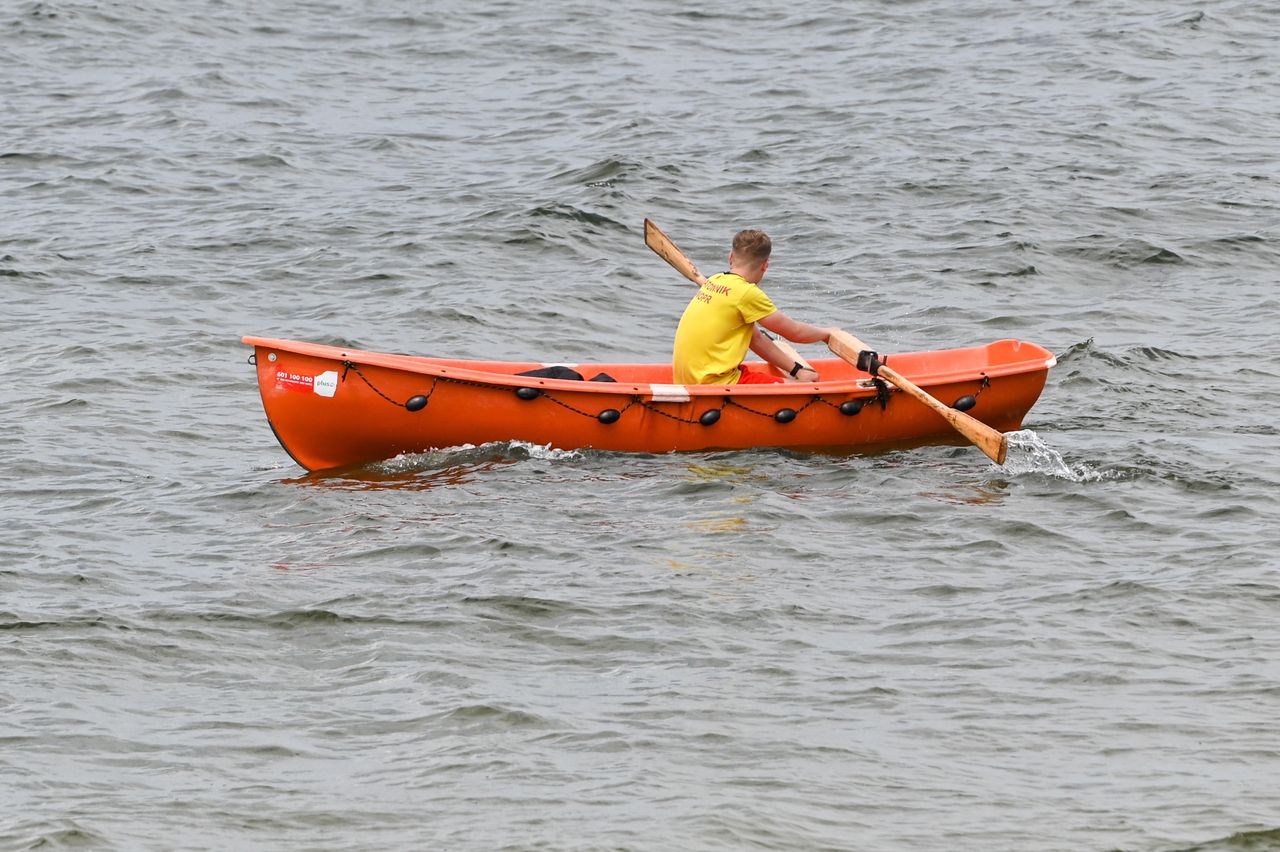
669	393
326	384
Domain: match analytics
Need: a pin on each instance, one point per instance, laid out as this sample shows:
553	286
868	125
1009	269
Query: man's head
750	255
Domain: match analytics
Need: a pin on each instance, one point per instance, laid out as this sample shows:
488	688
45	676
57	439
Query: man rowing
724	319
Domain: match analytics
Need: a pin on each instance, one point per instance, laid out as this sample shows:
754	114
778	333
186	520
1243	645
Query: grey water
515	647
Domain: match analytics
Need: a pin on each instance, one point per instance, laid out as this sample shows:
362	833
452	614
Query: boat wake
1029	454
498	452
432	468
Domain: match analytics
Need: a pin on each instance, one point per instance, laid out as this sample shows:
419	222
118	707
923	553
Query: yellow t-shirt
715	331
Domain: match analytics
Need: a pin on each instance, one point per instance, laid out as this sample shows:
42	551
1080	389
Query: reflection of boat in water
410	478
331	406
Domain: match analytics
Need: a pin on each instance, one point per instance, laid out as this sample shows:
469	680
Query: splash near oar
1029	453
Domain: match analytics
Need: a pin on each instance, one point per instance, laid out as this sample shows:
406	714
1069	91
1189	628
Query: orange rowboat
332	407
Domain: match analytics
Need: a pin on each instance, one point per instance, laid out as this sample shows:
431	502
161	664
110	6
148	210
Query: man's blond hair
752	247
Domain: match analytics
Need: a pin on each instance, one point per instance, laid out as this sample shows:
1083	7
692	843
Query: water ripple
509	646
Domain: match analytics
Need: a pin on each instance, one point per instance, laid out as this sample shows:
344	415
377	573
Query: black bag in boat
559	371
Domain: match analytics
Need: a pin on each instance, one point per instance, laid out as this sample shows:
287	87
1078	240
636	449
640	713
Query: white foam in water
544	451
510	451
1028	453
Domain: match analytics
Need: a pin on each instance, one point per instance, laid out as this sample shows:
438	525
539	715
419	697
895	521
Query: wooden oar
994	444
668	251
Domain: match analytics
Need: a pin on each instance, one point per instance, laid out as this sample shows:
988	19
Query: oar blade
670	252
993	444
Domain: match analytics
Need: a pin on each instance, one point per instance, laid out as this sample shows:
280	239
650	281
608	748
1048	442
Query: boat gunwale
426	366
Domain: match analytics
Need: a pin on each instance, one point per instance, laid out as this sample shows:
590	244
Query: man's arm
794	330
771	352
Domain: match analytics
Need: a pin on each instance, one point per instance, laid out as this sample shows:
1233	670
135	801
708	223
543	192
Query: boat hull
333	407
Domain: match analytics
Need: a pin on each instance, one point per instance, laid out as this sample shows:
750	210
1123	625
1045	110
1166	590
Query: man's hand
803	375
